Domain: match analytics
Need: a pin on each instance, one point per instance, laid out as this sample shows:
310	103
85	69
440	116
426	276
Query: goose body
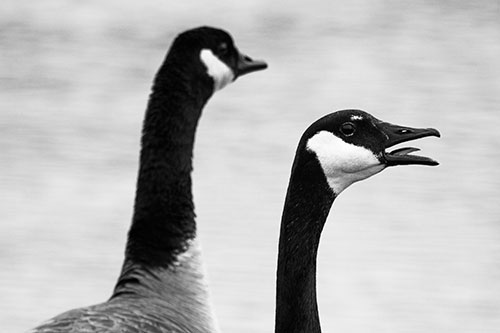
337	150
162	286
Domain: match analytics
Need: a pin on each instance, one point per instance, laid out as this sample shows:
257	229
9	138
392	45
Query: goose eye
348	129
222	49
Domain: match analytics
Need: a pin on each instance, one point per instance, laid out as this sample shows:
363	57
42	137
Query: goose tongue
402	156
404	151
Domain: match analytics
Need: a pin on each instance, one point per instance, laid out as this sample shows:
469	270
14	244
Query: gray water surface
414	249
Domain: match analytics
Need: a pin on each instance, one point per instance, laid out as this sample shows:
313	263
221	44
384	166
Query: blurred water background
414	249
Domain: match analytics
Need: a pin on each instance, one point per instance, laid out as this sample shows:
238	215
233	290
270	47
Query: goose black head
214	53
350	145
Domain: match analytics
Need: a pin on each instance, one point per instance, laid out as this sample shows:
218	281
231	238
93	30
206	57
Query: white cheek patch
218	70
343	163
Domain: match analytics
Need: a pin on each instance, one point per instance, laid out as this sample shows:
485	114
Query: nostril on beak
404	131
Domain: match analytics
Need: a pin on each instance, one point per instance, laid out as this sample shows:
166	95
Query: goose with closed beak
162	285
335	151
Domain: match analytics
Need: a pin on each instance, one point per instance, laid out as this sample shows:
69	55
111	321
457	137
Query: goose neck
306	208
164	218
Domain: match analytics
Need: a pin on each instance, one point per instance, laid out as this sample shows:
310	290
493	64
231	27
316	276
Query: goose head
212	53
352	145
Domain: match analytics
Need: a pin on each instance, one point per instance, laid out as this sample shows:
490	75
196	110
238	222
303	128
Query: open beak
397	134
247	65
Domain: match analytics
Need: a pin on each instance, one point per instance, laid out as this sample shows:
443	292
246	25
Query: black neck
308	201
164	218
